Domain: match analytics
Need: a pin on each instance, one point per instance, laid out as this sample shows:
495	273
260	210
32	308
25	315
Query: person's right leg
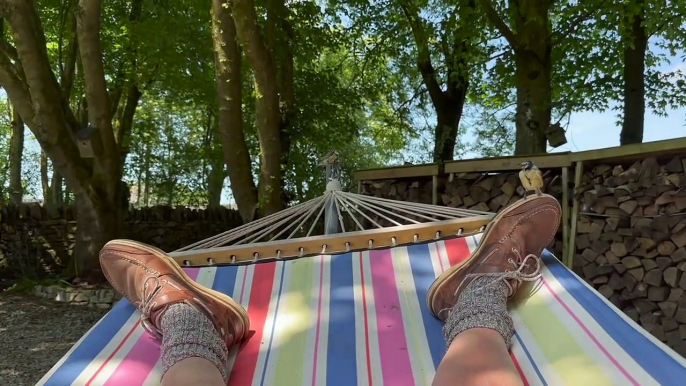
196	325
472	298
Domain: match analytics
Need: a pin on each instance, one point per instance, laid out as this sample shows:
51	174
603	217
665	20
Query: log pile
476	191
631	242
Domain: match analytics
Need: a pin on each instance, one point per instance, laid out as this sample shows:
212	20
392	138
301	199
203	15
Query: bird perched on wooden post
531	178
330	158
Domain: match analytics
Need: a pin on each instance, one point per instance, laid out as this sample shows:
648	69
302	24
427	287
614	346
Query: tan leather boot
152	281
510	248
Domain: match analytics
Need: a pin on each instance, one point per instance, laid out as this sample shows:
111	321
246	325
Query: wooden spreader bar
333	244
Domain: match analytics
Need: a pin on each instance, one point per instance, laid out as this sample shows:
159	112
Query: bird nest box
84	141
556	135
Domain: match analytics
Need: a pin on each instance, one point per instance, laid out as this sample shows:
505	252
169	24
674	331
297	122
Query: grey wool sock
188	333
483	304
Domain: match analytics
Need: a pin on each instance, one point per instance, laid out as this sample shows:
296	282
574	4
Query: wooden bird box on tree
556	135
83	141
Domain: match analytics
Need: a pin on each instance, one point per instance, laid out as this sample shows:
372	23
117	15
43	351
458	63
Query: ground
38	332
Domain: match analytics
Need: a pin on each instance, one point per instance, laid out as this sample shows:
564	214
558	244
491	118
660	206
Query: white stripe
237	296
442	252
524	363
269	326
360	349
323	347
374	354
418	346
435	258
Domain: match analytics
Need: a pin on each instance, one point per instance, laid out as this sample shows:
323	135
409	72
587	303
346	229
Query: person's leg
196	325
472	298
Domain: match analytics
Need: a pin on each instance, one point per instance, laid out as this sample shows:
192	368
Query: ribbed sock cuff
483	304
187	333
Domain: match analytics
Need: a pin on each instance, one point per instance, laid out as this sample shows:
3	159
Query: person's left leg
196	325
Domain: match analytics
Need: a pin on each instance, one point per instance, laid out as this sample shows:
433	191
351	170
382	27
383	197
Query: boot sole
218	296
455	269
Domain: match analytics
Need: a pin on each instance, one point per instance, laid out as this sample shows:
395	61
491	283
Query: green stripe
293	324
561	350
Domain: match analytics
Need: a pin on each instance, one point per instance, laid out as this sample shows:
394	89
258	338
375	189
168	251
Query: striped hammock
361	319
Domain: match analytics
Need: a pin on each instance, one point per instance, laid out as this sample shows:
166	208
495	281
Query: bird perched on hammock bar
531	178
330	158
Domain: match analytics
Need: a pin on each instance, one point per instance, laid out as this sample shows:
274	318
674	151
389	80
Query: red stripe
258	307
113	352
519	369
458	250
366	323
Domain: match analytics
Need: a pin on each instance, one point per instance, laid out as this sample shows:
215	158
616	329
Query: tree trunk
533	61
448	116
532	79
267	113
634	86
95	226
16	152
227	59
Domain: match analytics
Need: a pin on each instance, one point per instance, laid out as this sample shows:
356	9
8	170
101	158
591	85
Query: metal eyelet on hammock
371	243
460	231
255	256
415	238
483	228
324	249
302	251
210	261
278	253
187	263
233	259
394	242
438	235
347	246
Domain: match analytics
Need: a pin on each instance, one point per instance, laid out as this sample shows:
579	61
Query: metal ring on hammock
210	261
394	242
255	256
371	243
323	249
415	238
187	263
278	253
302	251
460	231
438	235
483	228
347	246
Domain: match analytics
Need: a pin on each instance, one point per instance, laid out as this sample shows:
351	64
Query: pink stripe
395	359
319	319
589	333
139	362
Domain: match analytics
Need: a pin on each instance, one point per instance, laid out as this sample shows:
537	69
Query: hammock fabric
361	319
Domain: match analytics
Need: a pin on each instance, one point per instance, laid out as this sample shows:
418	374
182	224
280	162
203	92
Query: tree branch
99	115
499	23
423	54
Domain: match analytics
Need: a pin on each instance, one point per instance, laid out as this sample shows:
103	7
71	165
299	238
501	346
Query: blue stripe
341	362
423	274
531	360
90	347
653	358
284	264
225	281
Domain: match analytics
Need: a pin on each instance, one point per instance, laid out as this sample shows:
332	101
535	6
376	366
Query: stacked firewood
631	242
